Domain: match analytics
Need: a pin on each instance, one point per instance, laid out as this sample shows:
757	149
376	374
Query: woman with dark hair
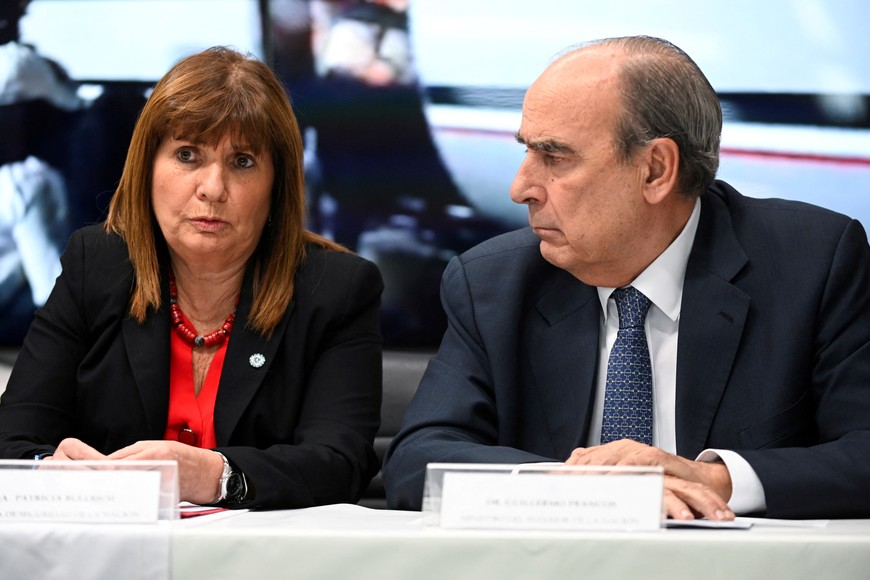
201	322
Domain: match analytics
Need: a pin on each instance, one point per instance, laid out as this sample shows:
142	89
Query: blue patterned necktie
628	402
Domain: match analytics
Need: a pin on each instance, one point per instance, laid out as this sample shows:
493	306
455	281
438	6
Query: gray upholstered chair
402	373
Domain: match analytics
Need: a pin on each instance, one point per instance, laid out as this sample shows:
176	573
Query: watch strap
233	484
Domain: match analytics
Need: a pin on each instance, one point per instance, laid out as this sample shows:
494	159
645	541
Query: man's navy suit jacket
773	358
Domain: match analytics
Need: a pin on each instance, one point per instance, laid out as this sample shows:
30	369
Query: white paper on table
774	523
744	523
735	524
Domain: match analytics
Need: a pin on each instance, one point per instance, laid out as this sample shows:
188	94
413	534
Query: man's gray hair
665	94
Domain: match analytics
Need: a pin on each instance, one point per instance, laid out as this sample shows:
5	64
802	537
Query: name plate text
79	495
552	501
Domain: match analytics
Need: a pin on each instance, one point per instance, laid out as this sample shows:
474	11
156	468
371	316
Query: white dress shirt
662	283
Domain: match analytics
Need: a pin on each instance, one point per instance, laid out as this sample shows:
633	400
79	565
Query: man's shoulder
771	209
772	230
505	263
511	245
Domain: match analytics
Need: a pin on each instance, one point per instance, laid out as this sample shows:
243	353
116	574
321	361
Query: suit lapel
248	359
712	318
563	354
147	346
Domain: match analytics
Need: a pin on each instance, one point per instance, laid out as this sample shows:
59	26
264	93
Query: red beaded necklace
185	332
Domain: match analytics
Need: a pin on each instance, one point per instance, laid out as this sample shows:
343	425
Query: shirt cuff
747	493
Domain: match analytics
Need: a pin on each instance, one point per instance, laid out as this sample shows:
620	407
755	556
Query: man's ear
662	157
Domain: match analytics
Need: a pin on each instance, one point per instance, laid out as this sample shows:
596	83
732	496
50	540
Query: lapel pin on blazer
257	360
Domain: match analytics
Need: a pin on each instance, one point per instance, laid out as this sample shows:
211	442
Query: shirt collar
662	281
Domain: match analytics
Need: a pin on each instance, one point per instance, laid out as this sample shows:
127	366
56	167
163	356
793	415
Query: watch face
235	487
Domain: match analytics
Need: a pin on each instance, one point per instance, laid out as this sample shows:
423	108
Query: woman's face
211	202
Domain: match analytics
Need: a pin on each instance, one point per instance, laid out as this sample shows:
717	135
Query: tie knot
632	306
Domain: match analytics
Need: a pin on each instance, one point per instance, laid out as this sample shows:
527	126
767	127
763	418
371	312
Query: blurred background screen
408	110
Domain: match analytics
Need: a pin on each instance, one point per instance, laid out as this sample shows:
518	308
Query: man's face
584	203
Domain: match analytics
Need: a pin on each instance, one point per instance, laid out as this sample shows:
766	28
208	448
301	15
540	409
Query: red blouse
186	409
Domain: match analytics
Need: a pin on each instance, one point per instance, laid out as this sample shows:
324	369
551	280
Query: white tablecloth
353	542
61	551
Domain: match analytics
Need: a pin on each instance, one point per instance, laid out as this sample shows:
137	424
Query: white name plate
553	500
79	495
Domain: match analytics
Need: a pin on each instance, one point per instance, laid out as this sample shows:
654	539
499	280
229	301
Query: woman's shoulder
324	267
320	258
94	249
95	236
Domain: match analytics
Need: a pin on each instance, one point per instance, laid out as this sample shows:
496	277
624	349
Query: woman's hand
71	448
199	470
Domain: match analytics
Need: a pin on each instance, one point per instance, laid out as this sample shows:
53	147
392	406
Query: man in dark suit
757	396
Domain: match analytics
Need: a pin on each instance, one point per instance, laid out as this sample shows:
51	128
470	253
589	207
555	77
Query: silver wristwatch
233	485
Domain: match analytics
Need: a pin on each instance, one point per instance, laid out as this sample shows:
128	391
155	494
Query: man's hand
199	470
692	488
